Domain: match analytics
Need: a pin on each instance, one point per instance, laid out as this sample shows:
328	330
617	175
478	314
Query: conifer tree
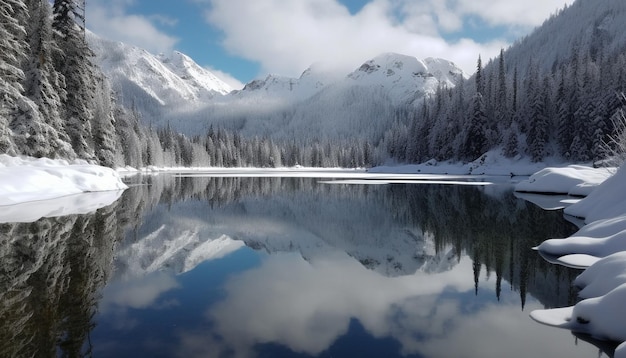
104	136
475	141
501	107
12	49
75	65
564	114
480	82
38	128
538	130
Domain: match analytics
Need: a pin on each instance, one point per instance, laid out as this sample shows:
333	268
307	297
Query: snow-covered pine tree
478	77
417	135
511	142
615	145
103	130
514	99
475	139
565	96
76	66
38	129
538	121
502	113
127	129
12	49
585	114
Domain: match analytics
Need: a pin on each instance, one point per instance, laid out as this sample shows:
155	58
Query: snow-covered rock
601	317
581	251
603	276
572	180
604	203
600	247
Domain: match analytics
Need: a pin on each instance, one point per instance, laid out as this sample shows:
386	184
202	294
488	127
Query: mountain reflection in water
285	267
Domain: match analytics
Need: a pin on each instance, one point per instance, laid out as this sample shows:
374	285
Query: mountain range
171	89
549	95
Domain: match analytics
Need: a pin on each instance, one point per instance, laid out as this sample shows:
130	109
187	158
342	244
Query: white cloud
109	19
287	36
227	78
306	306
138	293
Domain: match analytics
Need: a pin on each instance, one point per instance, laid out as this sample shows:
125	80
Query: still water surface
287	267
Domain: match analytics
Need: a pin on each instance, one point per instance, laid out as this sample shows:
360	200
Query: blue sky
245	39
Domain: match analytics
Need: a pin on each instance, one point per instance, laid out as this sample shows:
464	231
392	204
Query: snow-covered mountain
174	89
143	80
406	78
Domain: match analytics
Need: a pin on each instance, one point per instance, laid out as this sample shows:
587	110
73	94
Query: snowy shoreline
24	179
599	248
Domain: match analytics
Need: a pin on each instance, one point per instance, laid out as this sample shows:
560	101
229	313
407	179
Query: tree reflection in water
52	271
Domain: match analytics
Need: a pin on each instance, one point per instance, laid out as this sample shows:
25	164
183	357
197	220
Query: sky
241	40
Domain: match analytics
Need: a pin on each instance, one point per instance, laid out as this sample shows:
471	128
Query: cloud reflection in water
308	306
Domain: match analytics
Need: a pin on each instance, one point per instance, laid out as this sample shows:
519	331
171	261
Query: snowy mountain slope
311	81
406	78
318	104
403	79
143	80
193	74
585	24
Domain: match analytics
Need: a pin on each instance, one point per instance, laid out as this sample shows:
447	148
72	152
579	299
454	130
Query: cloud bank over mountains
286	37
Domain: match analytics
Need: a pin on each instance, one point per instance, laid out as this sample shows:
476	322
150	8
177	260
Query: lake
230	266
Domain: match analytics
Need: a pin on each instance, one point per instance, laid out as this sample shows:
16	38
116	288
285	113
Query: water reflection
306	306
49	279
397	269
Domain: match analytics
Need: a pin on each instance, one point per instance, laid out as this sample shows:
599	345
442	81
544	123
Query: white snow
601	278
572	180
404	76
24	180
599	247
606	202
490	163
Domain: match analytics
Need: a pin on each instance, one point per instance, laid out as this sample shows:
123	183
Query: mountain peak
197	76
390	63
406	77
161	80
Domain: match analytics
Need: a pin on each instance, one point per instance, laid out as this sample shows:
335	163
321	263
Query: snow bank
572	180
490	163
603	276
601	317
29	179
600	247
608	201
581	251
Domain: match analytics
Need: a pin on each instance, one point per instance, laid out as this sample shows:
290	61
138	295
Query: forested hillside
554	93
55	102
